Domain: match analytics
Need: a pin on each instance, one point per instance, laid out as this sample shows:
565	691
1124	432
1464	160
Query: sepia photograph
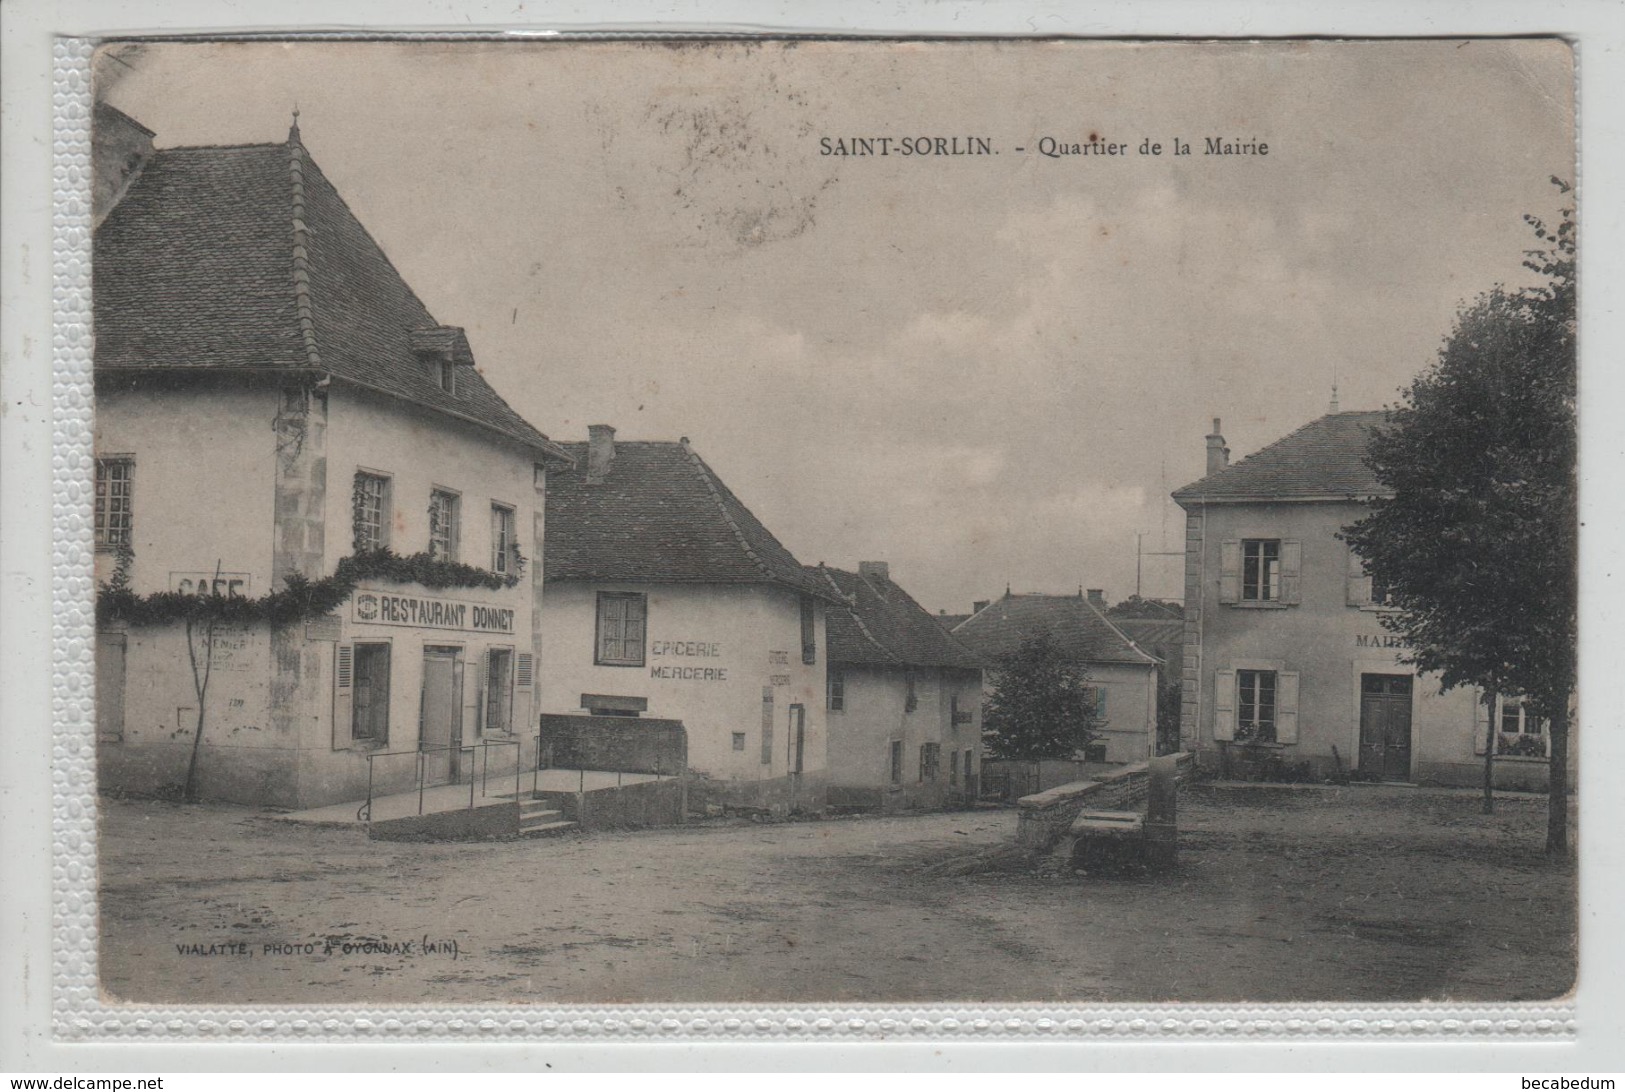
808	521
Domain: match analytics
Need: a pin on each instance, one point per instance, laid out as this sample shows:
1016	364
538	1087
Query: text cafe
438	672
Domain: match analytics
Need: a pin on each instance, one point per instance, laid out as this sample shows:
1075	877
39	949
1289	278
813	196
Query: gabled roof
1323	460
949	621
246	257
882	624
1158	636
1078	627
660	516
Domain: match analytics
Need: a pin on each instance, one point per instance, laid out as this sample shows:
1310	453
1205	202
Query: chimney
979	606
1097	596
600	453
874	569
1218	456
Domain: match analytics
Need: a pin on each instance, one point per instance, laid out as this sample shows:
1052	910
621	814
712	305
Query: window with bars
504	540
443	524
371	515
622	623
115	480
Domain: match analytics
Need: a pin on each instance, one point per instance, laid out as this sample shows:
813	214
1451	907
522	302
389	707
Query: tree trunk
1557	783
1489	754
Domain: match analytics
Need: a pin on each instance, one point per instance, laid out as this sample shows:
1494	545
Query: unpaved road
1357	894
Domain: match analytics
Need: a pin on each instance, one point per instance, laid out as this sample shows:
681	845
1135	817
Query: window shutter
343	690
1230	571
1224	705
1359	583
767	725
524	670
1100	701
1291	571
1286	707
482	711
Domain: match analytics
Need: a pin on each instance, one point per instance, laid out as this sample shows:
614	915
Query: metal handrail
364	812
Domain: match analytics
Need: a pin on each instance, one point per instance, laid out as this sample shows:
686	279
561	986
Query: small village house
1286	659
904	699
666	597
274	404
1122	677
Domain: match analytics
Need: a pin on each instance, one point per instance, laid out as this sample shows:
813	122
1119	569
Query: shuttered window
504	541
499	690
1260	571
1255	705
361	694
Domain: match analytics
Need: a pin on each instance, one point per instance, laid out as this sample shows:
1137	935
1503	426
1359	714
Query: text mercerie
707	649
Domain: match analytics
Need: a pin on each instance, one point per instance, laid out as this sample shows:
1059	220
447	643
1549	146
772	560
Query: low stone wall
482	824
781	796
1010	779
630	744
1042	818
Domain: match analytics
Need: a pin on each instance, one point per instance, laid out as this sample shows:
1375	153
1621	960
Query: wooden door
1385	726
443	704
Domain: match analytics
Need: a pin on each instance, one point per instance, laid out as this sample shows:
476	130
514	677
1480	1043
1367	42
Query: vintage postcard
798	522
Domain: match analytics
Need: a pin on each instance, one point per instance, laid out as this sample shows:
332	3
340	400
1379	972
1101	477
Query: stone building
667	597
1122	676
904	699
1286	659
278	412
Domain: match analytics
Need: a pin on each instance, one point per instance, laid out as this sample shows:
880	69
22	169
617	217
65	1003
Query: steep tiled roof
949	621
660	515
1323	459
1077	626
882	624
247	257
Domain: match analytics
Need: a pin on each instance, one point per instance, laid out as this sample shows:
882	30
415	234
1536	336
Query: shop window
499	690
369	695
1520	733
809	631
444	520
370	518
115	483
622	624
896	763
504	541
837	691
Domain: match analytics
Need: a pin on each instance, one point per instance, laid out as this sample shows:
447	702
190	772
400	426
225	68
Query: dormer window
443	349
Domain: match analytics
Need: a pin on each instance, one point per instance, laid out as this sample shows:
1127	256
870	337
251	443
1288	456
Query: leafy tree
1477	546
1041	705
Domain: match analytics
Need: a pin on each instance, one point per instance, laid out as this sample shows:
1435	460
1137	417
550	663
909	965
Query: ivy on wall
300	600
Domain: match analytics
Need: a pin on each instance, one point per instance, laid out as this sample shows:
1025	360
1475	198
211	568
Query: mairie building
1286	662
278	413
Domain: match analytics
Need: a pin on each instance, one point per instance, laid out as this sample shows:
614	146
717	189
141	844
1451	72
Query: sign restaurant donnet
428	612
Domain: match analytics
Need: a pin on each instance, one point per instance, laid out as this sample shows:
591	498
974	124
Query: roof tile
1077	626
882	624
1325	458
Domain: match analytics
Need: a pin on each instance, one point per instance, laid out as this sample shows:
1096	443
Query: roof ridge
706	479
851	602
301	254
1125	638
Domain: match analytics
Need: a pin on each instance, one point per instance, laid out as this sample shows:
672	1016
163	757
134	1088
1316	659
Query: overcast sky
986	370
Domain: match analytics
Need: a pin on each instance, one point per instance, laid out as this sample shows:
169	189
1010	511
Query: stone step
532	809
546	829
